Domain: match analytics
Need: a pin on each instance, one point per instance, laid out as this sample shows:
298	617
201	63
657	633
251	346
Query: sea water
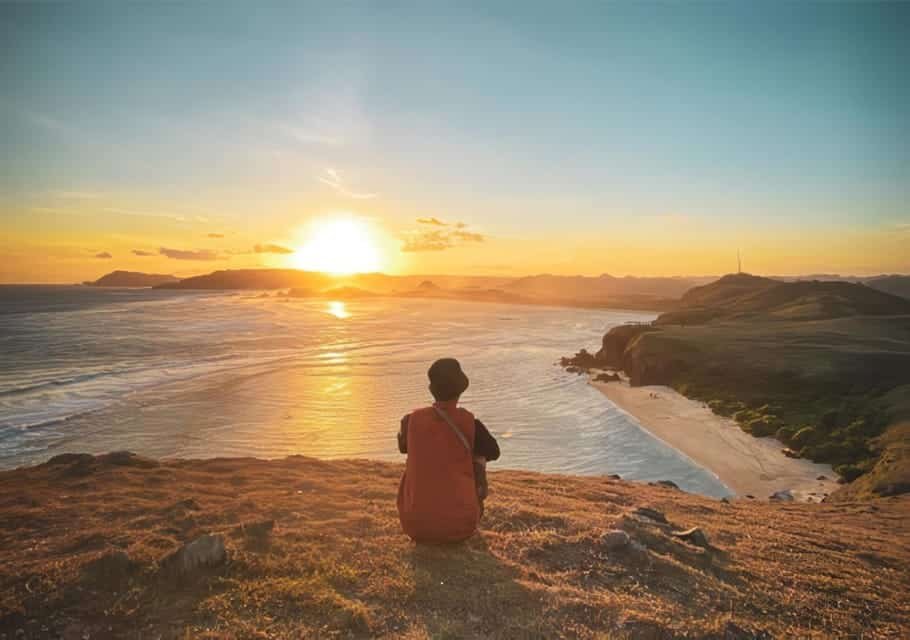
180	374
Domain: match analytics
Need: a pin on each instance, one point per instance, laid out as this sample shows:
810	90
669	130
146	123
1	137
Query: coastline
746	464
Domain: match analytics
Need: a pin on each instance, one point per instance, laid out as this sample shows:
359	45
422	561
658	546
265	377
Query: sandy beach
748	465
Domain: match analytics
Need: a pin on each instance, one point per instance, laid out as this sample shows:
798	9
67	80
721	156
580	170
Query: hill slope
133	279
895	285
335	563
741	294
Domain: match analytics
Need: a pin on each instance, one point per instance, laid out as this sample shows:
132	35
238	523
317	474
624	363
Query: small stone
205	551
822	478
694	535
667	483
782	496
615	539
650	514
615	476
725	500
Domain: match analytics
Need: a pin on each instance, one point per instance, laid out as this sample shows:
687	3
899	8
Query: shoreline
746	464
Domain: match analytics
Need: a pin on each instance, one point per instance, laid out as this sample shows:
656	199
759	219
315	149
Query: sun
339	246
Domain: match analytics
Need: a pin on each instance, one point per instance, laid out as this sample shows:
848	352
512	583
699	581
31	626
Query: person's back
437	497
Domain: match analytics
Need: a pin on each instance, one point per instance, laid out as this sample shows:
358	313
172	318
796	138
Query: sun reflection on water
338	309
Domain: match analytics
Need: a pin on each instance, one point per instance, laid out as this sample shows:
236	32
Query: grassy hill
822	366
315	551
742	294
895	285
132	279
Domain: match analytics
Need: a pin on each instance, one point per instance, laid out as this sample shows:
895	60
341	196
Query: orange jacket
437	499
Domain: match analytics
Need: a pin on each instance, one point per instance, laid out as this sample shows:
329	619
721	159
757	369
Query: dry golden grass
337	566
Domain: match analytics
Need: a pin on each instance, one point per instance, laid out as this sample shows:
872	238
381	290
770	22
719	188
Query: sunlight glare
338	310
339	246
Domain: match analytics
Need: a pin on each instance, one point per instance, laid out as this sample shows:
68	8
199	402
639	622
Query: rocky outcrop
616	341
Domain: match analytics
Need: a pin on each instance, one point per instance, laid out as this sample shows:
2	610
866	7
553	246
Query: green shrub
804	436
849	472
829	420
762	426
785	434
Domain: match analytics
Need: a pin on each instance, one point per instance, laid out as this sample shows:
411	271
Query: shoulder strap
442	414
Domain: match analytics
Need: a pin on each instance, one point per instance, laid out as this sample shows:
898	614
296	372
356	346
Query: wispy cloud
183	254
433	221
140	252
271	248
439	239
104	255
333	179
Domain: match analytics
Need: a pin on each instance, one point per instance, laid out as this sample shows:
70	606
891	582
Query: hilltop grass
337	566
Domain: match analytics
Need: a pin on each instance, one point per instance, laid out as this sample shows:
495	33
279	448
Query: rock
667	483
822	478
790	453
615	476
725	500
650	514
781	496
127	459
205	551
70	458
607	377
581	361
615	539
258	529
750	496
109	569
694	535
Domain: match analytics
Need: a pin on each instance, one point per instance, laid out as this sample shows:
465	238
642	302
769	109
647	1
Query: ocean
203	374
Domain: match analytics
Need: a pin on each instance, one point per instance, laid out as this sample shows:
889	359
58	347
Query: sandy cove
747	465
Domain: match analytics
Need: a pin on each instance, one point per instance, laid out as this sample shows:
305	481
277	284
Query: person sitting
440	497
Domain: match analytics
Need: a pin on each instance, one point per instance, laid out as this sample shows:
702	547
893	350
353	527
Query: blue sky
529	122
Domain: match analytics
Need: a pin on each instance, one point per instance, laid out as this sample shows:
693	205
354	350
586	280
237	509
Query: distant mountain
133	279
256	279
600	288
895	285
604	291
738	294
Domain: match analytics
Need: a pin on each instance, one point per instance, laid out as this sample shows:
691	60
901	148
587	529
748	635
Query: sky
486	139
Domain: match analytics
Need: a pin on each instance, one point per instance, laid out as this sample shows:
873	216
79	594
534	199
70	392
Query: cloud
216	235
181	254
333	179
140	252
104	255
468	236
426	241
271	248
434	221
439	239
